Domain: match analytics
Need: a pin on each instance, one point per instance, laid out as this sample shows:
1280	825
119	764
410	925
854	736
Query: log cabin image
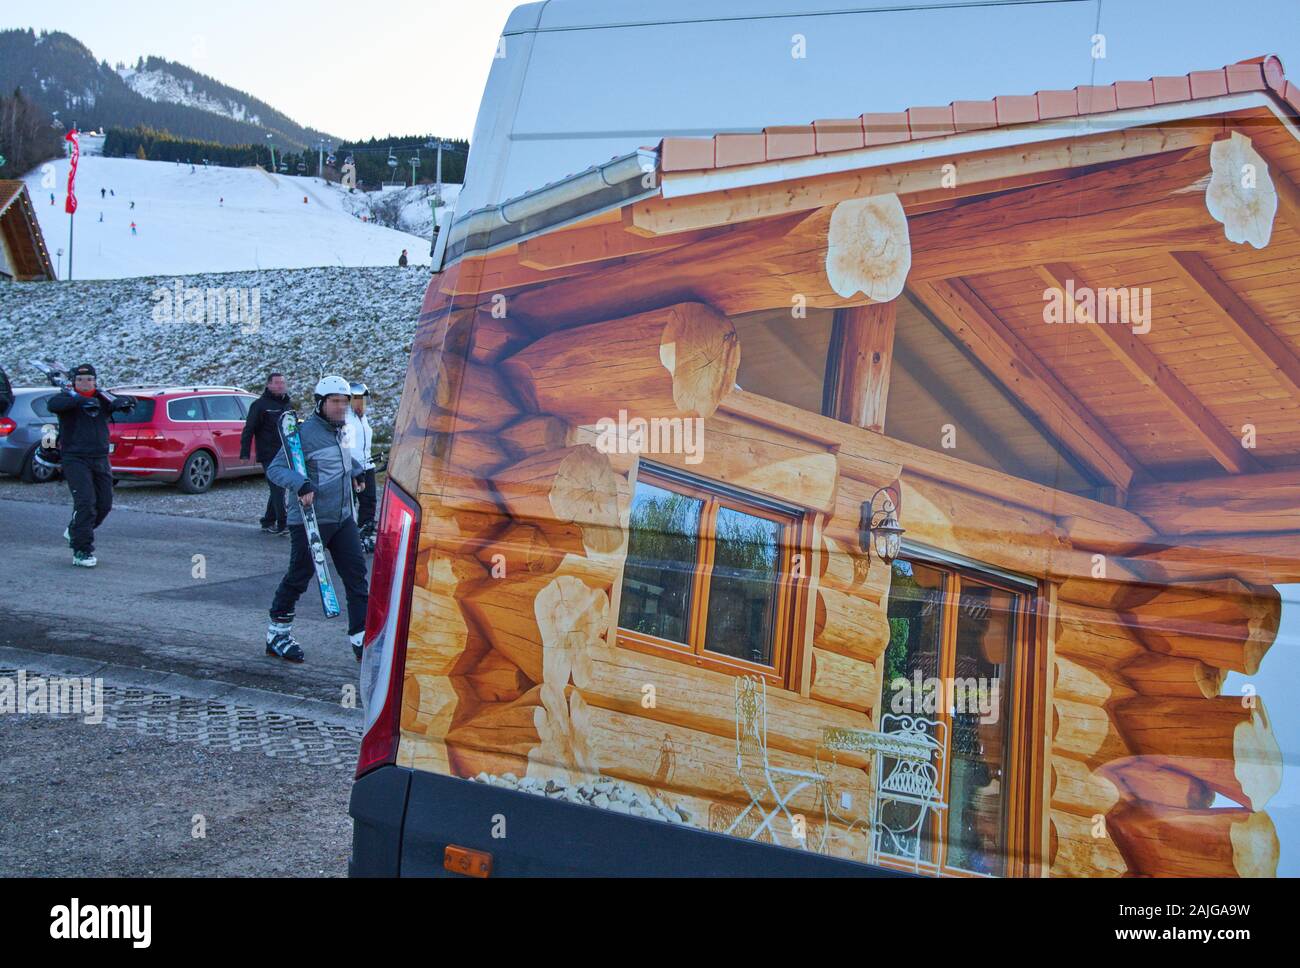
900	489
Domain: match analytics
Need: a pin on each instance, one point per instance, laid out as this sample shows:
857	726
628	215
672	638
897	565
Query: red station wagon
187	435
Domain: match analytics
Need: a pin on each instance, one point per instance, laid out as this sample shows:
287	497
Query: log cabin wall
515	665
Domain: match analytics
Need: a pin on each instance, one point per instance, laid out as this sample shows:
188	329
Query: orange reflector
462	860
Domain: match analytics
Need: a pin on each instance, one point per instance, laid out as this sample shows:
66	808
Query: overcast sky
351	69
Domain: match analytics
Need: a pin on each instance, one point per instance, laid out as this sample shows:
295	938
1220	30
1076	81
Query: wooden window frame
1027	674
794	537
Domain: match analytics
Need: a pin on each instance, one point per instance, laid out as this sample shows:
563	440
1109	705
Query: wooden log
844	681
521	549
1079	790
553	757
471	396
439	635
1088	683
769	462
1256	558
849	625
479	454
1087	733
863	388
507	727
702	699
1228	624
1168	842
1150	779
538	434
538	622
677	361
496	337
497	679
430	705
1224	742
466	513
1075	852
1095	635
1237	504
572	496
1154	674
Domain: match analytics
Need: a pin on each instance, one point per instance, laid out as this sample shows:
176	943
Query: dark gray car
22	424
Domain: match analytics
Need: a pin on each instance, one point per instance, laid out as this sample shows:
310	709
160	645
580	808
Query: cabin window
959	643
707	576
784	357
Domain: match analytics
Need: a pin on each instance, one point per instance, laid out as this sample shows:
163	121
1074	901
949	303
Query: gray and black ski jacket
330	469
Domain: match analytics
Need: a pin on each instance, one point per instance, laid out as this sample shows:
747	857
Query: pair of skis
293	447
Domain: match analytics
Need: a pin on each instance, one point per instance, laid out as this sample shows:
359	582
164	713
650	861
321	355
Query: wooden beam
1155	376
1245	503
969	319
867	348
923	178
1271	350
594	243
1288	195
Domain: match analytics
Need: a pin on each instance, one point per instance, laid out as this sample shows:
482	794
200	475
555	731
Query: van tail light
7	426
388	618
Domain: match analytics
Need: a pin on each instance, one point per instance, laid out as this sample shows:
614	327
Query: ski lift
392	168
392	159
302	166
329	160
284	168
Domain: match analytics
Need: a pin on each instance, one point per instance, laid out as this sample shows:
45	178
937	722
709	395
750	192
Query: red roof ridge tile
869	130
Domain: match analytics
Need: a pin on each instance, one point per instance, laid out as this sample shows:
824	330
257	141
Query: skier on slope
332	474
83	411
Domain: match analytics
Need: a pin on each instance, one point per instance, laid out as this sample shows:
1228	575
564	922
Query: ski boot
358	644
67	535
368	538
280	641
84	559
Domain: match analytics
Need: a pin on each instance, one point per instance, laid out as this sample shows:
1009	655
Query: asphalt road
149	605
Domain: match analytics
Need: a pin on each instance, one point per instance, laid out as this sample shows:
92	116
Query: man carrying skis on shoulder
83	411
332	475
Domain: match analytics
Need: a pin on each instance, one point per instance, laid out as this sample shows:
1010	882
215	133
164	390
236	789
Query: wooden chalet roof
22	232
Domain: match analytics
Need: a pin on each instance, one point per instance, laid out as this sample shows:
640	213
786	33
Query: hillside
184	226
356	322
61	75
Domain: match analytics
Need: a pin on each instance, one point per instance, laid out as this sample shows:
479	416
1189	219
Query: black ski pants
273	516
91	482
344	544
366	502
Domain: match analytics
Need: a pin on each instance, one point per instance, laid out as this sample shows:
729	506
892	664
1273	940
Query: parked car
23	422
187	435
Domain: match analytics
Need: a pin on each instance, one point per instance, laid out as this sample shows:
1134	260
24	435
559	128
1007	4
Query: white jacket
358	437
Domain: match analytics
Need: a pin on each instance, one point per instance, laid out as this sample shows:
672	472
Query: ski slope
184	227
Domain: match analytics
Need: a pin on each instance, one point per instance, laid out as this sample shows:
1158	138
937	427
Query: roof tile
790	141
974	115
885	129
1095	100
1245	77
838	135
1274	76
1016	108
1057	104
739	149
1171	89
1292	96
685	154
1208	83
930	122
1134	94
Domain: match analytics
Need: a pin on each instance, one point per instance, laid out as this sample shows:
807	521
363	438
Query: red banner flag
74	154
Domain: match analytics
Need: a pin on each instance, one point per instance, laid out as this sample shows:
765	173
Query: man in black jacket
83	413
263	429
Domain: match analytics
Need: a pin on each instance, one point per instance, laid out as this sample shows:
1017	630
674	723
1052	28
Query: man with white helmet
360	437
332	475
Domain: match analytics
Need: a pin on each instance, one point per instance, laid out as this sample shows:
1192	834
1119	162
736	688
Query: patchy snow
183	226
406	209
167	88
355	322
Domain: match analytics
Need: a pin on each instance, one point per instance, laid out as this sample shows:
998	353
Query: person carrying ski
83	411
262	428
332	475
360	437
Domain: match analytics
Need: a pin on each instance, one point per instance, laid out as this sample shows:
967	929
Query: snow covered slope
165	87
184	227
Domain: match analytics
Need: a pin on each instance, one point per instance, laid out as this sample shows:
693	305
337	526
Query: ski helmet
360	390
329	386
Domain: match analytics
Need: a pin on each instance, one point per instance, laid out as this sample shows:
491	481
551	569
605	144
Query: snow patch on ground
167	88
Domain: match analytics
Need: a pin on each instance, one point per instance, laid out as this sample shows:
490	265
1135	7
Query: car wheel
35	472
199	472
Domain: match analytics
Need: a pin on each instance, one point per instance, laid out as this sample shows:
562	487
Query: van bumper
404	819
